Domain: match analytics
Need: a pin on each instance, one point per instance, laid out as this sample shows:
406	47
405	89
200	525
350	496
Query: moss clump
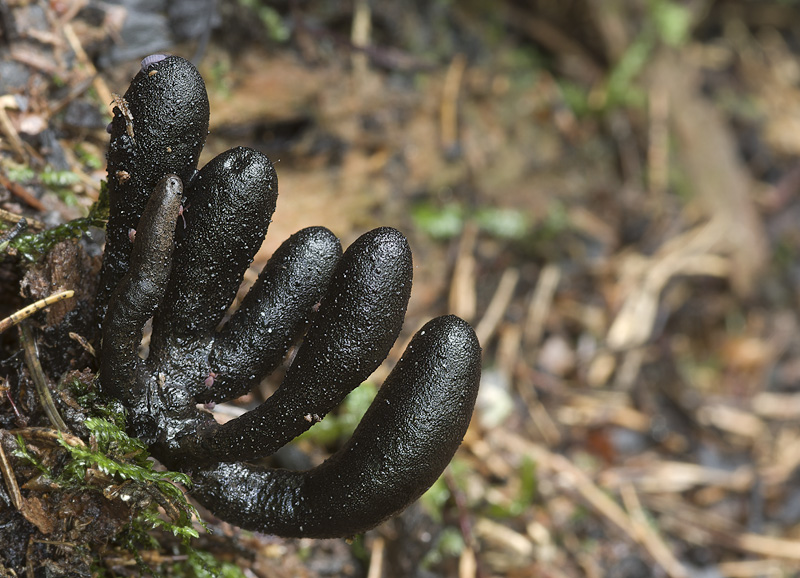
35	245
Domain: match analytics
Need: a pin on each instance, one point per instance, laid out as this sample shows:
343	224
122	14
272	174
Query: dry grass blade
25	312
693	253
701	527
780	406
588	411
509	548
658	143
467	563
752	568
649	537
11	481
732	420
99	84
462	299
376	558
448	118
676	477
570	474
39	378
497	306
708	151
8	130
540	303
360	34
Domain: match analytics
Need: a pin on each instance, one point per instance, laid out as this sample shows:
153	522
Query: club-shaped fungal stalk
274	312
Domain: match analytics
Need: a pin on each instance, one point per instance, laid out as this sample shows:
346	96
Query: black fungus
178	244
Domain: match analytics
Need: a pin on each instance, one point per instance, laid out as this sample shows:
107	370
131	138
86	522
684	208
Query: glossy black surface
401	446
159	128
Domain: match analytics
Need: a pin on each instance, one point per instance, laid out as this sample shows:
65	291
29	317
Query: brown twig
48	435
18	190
448	118
30	222
83	342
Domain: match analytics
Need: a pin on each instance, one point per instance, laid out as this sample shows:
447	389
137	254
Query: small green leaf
673	22
503	223
441	223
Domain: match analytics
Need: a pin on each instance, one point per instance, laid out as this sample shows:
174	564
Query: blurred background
607	191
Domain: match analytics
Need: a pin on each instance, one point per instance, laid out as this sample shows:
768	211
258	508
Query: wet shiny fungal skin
170	112
410	432
196	234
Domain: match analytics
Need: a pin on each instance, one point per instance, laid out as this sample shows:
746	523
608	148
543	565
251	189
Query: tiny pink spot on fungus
180	214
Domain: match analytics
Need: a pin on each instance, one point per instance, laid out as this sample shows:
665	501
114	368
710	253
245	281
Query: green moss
447	221
449	544
19	173
89	158
441	223
270	19
204	565
126	461
34	246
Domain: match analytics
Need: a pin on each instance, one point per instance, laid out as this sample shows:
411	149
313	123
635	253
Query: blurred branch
707	151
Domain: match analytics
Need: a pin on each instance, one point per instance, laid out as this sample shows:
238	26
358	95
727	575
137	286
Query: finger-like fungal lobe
358	321
140	291
403	443
159	128
229	207
274	314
